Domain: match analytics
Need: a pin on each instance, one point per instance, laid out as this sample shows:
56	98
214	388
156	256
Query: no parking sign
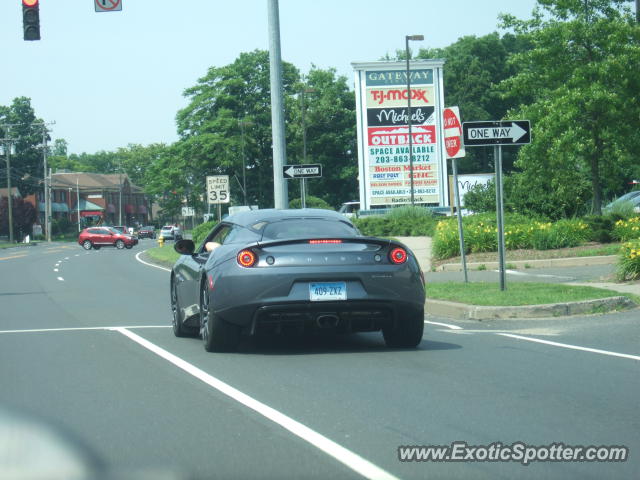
108	5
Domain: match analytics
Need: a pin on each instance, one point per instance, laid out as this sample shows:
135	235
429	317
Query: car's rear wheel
128	246
179	329
217	335
86	245
407	333
119	244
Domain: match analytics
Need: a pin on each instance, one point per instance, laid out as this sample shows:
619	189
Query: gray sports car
295	270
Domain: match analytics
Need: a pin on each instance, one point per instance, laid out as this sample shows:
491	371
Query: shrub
311	202
629	262
199	233
624	230
481	234
401	221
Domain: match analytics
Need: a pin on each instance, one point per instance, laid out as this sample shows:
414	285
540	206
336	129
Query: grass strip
165	255
517	293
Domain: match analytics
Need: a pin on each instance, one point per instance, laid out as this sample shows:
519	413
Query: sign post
498	133
455	149
218	191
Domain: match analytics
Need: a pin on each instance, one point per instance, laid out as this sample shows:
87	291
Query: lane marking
452	327
348	458
150	264
79	329
55	269
572	347
61	279
13	256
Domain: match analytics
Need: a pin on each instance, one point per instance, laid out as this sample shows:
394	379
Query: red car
97	237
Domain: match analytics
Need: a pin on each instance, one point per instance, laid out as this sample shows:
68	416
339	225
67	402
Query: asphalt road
86	350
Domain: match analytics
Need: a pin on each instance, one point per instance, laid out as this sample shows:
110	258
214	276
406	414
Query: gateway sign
385	176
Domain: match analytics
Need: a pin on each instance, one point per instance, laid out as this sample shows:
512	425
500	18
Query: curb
543	263
463	311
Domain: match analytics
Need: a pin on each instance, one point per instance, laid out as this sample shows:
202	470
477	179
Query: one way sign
302	171
510	132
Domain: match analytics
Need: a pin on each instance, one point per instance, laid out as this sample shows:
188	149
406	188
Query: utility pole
280	188
8	142
47	186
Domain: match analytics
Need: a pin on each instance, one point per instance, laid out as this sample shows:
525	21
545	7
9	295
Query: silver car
295	270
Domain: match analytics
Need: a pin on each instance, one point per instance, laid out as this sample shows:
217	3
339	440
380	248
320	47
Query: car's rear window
307	228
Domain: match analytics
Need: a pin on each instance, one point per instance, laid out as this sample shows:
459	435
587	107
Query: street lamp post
243	123
407	38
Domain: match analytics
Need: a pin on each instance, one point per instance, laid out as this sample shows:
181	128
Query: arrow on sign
513	133
302	171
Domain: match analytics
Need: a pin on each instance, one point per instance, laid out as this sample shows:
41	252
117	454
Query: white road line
348	458
55	269
572	347
79	329
61	279
452	327
66	258
150	264
541	275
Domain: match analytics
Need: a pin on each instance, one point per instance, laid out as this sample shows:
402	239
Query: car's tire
119	244
179	329
87	245
128	247
407	333
217	335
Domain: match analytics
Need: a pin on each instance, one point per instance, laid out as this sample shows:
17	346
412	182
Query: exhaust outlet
327	321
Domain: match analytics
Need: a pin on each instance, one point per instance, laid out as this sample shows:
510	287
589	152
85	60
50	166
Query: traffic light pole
8	143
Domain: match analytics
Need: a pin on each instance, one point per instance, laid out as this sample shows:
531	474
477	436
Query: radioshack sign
384	162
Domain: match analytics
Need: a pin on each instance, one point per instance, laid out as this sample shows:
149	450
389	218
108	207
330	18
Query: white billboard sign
382	109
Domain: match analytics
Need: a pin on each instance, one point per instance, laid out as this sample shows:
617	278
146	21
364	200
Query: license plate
323	291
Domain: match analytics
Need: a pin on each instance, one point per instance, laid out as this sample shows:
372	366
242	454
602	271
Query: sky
111	79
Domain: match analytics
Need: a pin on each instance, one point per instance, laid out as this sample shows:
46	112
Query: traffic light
31	19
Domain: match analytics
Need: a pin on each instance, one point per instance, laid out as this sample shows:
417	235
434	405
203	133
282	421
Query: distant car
147	232
171	232
97	237
632	198
295	270
350	209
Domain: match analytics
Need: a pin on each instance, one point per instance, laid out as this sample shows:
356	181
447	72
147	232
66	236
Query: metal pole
47	186
409	120
280	188
10	200
244	168
456	193
48	207
78	201
497	150
120	202
303	193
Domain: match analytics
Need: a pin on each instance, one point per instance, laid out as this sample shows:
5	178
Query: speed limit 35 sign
218	189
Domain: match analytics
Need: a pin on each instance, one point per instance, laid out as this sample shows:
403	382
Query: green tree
474	67
330	120
211	139
19	121
581	76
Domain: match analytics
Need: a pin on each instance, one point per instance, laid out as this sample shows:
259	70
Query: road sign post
455	149
498	133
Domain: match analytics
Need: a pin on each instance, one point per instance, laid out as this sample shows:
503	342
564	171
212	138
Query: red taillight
210	282
398	255
324	240
247	258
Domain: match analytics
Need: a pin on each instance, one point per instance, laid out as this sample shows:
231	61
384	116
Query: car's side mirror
184	247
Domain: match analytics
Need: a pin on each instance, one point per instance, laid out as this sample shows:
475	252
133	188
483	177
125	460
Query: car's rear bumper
375	298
